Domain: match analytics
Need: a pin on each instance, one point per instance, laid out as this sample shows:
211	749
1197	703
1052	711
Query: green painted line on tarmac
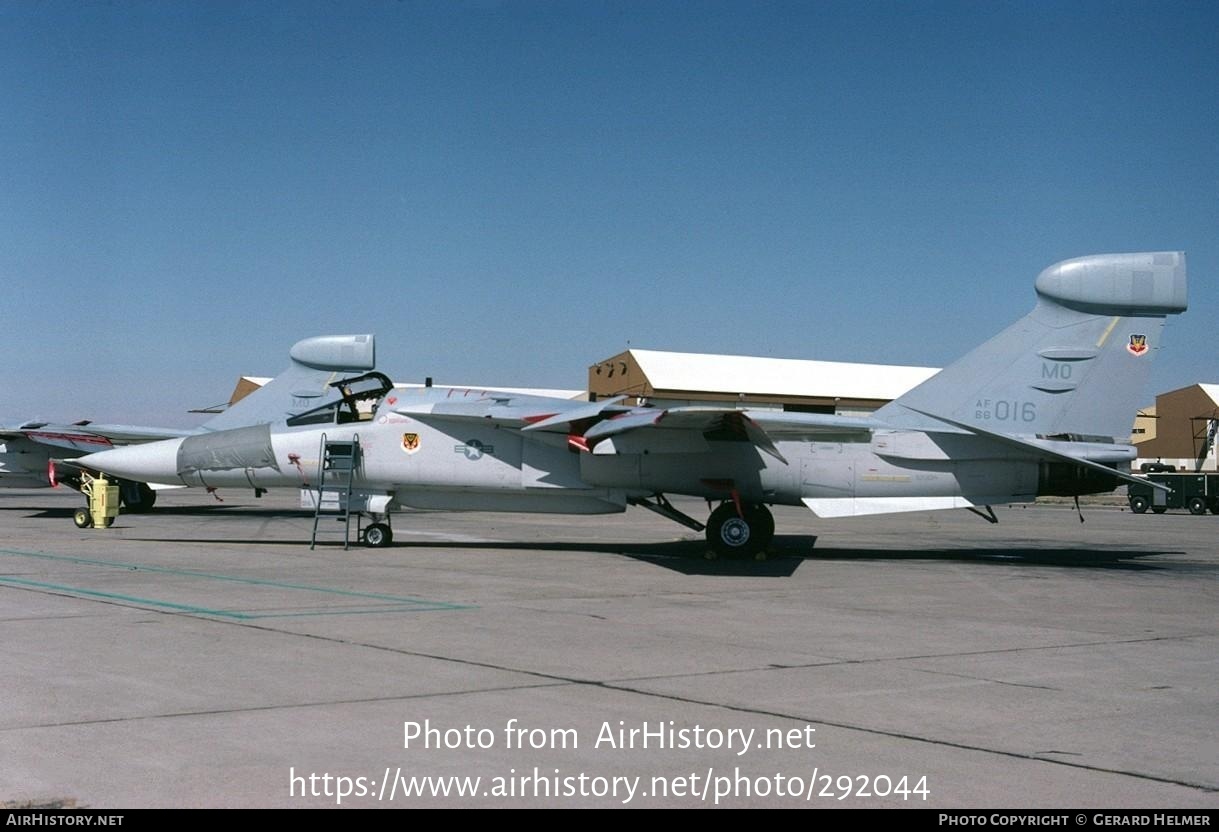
415	608
400	603
114	596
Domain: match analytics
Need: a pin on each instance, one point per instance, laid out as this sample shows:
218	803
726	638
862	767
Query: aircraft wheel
1159	509
137	497
378	535
1197	505
765	522
733	536
1138	504
82	518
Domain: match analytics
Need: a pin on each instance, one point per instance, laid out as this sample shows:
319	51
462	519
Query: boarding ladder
337	464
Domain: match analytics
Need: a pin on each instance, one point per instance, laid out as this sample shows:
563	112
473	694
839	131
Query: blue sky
508	192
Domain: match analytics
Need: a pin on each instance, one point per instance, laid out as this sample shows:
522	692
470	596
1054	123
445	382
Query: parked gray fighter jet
28	451
1037	410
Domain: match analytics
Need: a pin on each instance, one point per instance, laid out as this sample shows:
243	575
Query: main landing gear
742	532
736	529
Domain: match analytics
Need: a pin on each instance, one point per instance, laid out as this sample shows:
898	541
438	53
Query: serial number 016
1005	411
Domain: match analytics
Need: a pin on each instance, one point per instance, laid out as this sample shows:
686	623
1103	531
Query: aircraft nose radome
152	462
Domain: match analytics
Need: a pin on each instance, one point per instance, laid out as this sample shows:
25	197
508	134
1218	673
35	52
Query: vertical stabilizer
316	362
1076	365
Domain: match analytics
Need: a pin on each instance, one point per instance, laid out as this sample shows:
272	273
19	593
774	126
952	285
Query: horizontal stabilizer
1049	450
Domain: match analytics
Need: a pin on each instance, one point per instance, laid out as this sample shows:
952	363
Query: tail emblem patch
1137	345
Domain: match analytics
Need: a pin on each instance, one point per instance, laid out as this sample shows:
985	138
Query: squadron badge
1137	345
410	442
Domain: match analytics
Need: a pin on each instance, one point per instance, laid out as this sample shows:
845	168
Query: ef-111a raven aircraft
1036	410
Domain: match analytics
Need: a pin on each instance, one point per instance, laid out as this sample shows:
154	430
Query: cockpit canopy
358	399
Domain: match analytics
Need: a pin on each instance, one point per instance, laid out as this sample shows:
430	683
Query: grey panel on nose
227	450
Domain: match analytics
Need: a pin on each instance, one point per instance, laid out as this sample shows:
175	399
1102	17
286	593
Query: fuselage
430	460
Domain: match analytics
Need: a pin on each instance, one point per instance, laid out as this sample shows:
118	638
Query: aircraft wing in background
87	437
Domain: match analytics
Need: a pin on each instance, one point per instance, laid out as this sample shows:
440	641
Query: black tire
378	536
1138	504
136	497
1197	505
761	517
1159	509
732	536
766	521
82	518
109	521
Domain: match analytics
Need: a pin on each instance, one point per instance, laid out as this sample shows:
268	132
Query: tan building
1184	428
1144	429
680	378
